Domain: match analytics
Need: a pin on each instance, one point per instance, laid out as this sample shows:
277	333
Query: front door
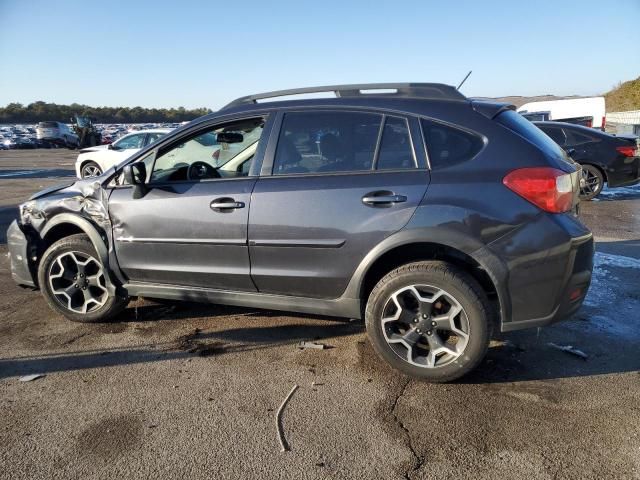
190	228
341	182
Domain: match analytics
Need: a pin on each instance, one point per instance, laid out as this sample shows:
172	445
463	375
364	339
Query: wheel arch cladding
65	224
409	246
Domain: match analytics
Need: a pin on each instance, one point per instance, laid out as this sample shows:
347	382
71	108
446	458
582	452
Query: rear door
334	184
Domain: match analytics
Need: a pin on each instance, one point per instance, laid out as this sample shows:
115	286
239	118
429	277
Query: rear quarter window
447	146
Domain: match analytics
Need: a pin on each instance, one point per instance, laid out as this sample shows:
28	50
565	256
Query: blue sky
205	53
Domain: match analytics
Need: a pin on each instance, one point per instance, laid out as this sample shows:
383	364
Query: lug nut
415	320
418	330
82	275
429	332
76	285
433	324
424	315
84	288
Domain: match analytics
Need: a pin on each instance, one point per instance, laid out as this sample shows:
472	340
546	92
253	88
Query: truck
589	111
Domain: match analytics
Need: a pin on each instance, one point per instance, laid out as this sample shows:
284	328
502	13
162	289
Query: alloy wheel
425	326
77	282
90	170
591	184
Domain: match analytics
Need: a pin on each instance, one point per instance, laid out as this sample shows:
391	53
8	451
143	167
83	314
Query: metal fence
624	122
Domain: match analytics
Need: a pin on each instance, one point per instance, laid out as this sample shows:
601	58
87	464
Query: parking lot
191	391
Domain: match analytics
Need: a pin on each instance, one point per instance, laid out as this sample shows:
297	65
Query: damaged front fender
82	205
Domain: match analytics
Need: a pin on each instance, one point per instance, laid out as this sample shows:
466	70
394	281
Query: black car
435	218
604	157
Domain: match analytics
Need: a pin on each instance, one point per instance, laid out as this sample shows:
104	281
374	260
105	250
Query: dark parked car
604	157
433	217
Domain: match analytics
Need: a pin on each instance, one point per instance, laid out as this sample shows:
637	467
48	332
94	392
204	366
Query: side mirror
110	146
571	152
136	174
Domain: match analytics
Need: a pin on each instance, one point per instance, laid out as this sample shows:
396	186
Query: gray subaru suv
433	217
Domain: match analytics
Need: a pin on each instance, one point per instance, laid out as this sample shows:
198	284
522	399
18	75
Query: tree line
41	111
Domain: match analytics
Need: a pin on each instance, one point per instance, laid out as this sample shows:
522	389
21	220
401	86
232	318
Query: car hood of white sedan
97	148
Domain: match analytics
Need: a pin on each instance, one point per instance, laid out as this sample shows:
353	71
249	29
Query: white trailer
589	111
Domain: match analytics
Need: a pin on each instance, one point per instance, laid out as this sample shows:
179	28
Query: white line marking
17	174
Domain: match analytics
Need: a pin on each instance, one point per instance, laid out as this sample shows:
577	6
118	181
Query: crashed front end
27	235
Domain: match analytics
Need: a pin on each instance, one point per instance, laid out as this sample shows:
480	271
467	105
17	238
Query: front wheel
429	320
90	169
592	184
73	281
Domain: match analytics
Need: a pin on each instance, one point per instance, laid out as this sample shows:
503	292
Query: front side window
448	146
218	152
326	142
130	141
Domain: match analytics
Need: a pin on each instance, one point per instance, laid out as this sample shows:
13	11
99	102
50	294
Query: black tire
459	286
87	165
595	182
82	248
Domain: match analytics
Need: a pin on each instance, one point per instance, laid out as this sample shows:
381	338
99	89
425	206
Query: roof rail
417	90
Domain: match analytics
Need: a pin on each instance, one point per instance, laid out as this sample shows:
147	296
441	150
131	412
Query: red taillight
627	151
589	123
604	122
548	188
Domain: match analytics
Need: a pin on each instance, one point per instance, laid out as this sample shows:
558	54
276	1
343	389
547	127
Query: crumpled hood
86	198
49	190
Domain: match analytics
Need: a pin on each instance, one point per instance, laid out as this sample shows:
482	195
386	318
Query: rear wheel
592	184
90	169
73	282
429	320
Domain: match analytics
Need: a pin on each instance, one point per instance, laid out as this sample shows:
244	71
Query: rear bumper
19	256
625	173
549	263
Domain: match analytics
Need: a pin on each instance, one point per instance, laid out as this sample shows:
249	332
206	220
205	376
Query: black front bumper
19	256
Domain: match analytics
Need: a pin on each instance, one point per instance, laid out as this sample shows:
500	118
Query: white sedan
93	161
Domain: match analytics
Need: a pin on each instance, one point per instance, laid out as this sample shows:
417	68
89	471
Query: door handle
383	199
225	204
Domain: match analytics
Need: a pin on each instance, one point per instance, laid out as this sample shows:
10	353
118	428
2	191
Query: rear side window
326	142
447	145
395	147
578	138
556	134
48	124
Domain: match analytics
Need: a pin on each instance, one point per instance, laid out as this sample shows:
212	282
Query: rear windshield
48	124
523	127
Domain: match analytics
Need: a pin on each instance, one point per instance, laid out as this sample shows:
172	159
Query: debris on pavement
284	446
569	349
313	345
30	378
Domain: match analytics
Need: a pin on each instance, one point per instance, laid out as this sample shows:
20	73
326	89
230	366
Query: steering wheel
201	170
